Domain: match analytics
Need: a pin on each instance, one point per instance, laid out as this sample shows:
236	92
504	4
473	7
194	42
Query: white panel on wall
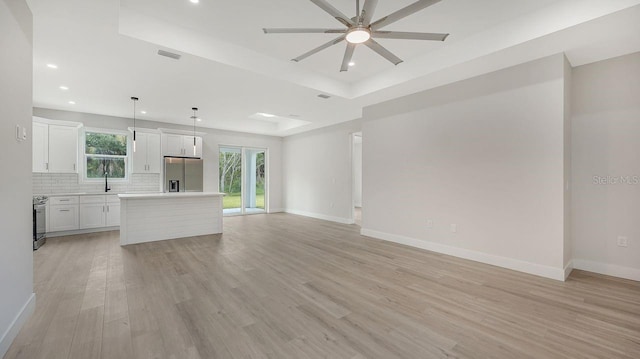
485	156
606	166
17	300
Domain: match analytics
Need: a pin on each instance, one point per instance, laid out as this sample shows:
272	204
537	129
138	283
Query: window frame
83	155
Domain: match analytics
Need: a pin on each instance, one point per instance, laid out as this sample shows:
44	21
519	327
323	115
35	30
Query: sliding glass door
243	174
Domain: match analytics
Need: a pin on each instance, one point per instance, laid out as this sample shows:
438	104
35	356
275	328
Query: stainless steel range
39	221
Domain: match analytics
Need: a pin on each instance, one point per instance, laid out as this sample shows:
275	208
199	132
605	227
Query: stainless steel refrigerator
183	174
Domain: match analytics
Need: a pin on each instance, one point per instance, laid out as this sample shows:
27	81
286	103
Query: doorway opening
243	178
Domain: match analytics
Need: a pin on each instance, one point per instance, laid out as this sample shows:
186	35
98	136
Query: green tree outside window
106	154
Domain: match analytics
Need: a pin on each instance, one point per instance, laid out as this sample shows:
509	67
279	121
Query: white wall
486	154
357	171
606	142
17	300
210	151
568	193
317	173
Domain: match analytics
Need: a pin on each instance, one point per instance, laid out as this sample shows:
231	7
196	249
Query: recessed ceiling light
195	1
198	119
72	102
65	88
266	114
143	112
352	63
52	66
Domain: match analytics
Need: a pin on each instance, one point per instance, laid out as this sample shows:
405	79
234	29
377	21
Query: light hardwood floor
284	286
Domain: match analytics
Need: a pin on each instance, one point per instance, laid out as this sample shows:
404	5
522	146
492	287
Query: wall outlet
454	228
429	223
623	241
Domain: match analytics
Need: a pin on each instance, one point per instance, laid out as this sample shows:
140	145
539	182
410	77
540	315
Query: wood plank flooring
285	286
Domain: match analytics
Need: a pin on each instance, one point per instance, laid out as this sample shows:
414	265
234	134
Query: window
105	155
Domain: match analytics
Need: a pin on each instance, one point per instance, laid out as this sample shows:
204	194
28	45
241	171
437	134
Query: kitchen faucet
106	183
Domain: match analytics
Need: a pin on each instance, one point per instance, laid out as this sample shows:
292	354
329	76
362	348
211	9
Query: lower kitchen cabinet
92	215
63	214
70	213
113	215
99	211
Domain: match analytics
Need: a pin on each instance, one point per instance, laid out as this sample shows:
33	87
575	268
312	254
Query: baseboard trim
568	269
607	269
504	262
320	216
276	210
82	231
10	334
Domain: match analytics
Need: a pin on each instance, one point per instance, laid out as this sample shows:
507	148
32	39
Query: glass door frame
243	181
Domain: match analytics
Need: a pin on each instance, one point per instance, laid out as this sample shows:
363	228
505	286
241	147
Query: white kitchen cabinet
92	215
63	213
112	218
188	146
99	211
173	145
63	149
40	138
147	157
180	145
55	148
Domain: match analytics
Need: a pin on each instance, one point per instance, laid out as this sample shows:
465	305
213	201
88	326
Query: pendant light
194	117
134	99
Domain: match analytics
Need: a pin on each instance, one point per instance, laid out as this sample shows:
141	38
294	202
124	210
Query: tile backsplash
51	183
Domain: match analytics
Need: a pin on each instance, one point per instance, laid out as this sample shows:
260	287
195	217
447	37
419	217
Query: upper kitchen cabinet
147	156
180	145
55	148
40	147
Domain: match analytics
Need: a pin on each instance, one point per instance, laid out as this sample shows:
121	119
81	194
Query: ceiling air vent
324	96
169	54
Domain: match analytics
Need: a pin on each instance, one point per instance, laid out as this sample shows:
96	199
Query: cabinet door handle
47	166
102	209
64	210
74	166
64	200
107	209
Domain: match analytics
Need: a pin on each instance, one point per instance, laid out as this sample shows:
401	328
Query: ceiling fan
361	30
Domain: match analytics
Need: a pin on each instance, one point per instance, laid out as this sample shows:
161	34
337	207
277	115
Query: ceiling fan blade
402	13
304	31
319	48
367	11
408	35
383	52
348	54
334	12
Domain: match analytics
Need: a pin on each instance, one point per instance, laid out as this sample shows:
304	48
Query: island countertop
169	195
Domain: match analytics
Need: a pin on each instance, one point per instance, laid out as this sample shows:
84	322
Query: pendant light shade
194	117
134	99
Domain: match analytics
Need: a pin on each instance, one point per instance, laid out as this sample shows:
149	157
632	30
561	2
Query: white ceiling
106	52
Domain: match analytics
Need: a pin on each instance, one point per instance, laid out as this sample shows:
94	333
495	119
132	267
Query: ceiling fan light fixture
358	35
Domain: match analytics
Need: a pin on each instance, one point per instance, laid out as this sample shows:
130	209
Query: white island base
159	216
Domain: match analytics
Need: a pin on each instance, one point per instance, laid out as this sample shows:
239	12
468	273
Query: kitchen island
152	217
